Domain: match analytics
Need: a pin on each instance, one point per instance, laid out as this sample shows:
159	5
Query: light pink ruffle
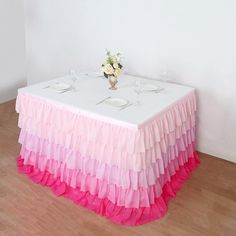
104	154
126	178
53	120
111	174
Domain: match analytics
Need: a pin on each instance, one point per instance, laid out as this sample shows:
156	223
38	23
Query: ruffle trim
111	174
55	117
104	207
142	197
104	154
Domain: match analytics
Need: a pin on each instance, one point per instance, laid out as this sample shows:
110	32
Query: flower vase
113	81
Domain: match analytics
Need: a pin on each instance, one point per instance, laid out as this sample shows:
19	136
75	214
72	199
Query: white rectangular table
123	164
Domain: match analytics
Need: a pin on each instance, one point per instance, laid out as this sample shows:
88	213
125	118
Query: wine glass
74	78
164	73
164	76
138	91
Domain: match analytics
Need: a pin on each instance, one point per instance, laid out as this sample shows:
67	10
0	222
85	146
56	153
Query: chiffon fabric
127	174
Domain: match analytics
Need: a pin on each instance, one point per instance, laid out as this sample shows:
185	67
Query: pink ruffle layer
51	121
105	154
126	179
104	207
141	197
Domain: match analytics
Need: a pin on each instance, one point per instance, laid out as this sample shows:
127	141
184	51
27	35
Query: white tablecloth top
91	90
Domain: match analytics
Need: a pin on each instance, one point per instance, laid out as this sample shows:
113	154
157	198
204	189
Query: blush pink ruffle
110	174
51	122
104	154
103	206
74	139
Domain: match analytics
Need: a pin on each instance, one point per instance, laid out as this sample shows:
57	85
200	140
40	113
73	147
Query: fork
48	86
125	106
66	90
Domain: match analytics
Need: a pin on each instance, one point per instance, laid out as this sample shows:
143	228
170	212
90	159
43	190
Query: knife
66	90
126	106
103	100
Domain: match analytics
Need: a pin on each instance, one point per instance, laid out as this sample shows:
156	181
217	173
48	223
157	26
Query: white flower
108	69
111	66
115	65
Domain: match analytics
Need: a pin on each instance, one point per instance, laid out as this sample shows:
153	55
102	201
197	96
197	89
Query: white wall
196	39
12	48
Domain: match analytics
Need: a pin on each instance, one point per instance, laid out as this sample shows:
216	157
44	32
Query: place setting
59	87
64	86
115	102
144	87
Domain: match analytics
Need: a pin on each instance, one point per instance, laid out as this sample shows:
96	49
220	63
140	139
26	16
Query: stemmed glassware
164	73
164	76
74	78
138	91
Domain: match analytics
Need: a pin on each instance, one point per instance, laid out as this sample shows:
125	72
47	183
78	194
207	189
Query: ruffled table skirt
123	173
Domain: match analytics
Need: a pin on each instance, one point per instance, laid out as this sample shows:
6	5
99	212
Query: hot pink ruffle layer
104	207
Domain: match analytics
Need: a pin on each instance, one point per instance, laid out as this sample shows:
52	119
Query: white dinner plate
60	86
116	102
150	87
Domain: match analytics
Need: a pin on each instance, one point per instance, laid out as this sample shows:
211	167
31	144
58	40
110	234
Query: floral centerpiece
112	68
